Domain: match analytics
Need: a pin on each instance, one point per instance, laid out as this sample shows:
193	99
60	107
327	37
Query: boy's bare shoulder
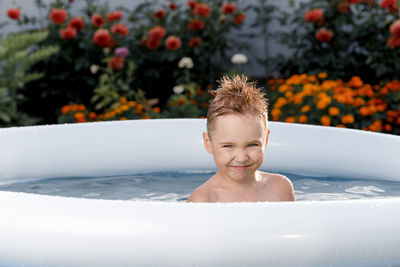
280	184
200	194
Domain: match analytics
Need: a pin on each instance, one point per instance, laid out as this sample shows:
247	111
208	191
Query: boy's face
237	143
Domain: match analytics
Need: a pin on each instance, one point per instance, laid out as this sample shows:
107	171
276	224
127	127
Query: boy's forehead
241	122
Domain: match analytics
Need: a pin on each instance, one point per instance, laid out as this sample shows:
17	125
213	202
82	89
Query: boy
237	136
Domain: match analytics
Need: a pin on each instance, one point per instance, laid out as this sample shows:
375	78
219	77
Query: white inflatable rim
39	230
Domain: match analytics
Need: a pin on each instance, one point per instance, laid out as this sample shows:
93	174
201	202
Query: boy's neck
233	184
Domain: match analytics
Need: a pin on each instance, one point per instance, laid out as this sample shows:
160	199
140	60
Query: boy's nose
241	156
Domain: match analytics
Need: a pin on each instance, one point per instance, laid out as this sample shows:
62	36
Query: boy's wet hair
236	94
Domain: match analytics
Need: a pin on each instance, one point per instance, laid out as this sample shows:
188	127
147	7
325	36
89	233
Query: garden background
332	63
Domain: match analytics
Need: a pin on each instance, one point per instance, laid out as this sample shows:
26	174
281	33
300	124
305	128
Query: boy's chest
252	195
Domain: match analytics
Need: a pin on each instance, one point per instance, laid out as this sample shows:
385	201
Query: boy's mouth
240	168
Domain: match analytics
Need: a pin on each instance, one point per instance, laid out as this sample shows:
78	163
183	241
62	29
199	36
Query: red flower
343	7
202	9
390	5
102	37
77	23
239	18
14	13
68	33
173	43
159	14
157	32
58	15
314	15
116	63
191	4
120	29
112	43
153	43
395	28
97	20
323	35
172	6
228	8
116	15
195	42
196	25
353	1
393	42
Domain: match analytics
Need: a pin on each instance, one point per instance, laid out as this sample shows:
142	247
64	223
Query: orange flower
347	119
181	101
356	82
139	109
92	115
303	119
132	103
376	126
276	113
388	128
80	117
156	109
341	126
333	111
290	119
325	120
322	75
65	109
305	109
364	111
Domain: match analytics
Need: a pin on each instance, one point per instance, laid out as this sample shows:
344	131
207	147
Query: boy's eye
227	146
254	144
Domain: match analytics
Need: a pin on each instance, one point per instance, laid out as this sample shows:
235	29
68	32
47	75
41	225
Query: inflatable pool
40	230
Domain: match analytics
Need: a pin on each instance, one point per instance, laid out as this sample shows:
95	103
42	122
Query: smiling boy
237	136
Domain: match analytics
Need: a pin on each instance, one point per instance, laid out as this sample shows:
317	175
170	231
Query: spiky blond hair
236	94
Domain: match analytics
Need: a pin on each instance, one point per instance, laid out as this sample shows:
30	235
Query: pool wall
39	230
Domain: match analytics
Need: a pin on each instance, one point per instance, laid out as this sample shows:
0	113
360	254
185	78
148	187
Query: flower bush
345	38
315	99
155	36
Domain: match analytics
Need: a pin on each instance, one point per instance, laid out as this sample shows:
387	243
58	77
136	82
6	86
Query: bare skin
237	143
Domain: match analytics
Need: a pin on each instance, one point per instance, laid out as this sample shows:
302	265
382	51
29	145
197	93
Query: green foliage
358	45
68	76
18	52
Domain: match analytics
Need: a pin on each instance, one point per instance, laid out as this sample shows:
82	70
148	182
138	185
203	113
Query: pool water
177	186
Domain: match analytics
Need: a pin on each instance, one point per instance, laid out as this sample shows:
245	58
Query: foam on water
177	186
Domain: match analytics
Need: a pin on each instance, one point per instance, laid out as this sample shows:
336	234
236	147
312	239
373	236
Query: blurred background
326	62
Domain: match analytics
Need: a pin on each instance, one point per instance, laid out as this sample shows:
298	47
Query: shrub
314	99
18	52
157	37
344	38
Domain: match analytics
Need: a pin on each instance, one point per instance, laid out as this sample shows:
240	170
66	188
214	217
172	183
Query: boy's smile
237	143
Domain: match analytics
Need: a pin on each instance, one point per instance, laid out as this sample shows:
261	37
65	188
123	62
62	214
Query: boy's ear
207	142
266	140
